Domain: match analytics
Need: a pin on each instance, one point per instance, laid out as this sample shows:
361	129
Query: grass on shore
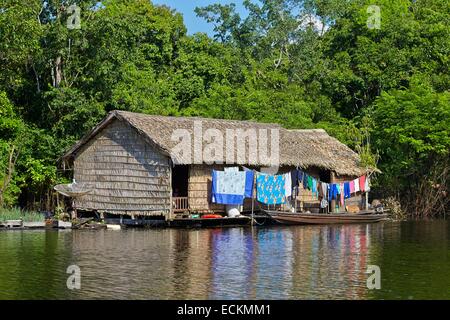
17	214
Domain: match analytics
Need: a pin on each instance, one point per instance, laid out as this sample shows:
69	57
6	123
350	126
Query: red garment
362	183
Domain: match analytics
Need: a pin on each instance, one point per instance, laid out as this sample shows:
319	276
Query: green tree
12	139
412	134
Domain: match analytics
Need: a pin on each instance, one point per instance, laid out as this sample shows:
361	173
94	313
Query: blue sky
193	23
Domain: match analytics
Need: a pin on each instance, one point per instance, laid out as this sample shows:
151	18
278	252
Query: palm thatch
315	148
302	148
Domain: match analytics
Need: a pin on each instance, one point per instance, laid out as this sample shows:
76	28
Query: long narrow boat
325	218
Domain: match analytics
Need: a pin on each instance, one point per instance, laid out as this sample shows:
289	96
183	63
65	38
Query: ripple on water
299	262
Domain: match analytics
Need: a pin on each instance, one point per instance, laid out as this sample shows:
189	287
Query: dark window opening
325	176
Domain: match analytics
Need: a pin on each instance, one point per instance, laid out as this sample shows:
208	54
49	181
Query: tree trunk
13	155
57	72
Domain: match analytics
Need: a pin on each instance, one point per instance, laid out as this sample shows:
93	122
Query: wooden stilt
253	200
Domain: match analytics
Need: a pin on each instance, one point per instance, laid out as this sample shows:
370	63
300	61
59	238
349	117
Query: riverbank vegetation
381	89
18	214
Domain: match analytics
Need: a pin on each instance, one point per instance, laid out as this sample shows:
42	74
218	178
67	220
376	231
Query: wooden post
295	199
170	213
253	205
366	202
253	196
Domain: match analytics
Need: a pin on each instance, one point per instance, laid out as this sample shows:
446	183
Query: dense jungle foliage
381	89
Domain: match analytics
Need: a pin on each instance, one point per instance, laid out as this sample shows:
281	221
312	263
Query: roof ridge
195	117
307	130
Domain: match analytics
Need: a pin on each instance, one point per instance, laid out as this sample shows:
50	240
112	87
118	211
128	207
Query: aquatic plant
18	214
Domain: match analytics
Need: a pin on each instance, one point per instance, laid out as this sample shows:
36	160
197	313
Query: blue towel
332	194
249	177
346	190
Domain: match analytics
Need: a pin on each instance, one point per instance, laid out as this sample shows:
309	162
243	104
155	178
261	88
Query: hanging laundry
322	192
356	183
310	183
249	179
287	184
333	192
352	186
367	185
342	195
301	175
294	178
324	189
294	182
270	189
228	187
305	181
362	183
347	193
315	192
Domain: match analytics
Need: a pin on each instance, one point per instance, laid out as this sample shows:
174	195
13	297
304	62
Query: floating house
146	165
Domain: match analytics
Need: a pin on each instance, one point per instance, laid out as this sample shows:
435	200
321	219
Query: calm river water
297	262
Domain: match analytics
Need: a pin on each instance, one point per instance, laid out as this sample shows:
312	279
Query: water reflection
304	262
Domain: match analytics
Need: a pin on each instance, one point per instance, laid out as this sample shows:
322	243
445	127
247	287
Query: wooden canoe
325	218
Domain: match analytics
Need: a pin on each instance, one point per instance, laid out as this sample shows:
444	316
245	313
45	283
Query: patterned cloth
270	189
231	182
228	187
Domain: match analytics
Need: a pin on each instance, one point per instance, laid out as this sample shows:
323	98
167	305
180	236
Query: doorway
180	177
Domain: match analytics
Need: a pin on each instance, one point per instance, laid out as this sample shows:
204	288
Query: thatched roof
302	148
315	148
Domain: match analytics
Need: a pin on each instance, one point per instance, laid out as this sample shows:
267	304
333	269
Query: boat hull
322	218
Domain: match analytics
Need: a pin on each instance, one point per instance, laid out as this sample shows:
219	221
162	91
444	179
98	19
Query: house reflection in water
316	262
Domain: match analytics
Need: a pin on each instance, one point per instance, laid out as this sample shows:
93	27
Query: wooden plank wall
199	188
130	177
